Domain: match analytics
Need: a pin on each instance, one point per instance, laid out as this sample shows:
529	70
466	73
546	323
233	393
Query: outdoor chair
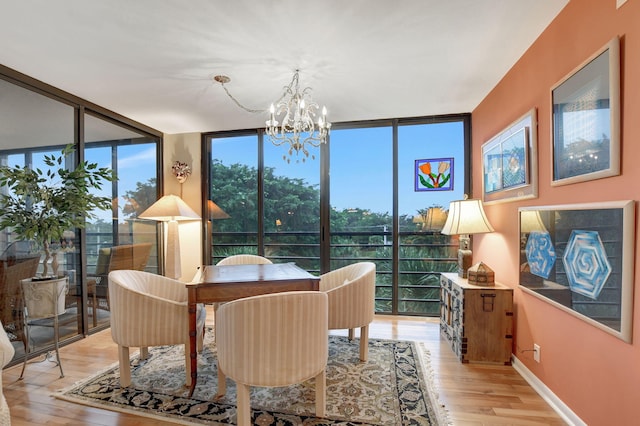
11	301
126	256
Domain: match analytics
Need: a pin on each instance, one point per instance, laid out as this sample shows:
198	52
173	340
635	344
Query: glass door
134	159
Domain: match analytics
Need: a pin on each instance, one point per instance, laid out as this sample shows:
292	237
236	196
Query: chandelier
292	120
297	129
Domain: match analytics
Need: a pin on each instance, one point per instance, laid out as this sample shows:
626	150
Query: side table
476	321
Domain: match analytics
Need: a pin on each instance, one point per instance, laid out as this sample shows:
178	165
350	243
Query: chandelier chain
253	111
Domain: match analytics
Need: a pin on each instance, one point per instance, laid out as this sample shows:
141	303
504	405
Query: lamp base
464	262
172	268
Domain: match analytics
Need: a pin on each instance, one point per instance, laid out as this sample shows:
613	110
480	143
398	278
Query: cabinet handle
487	301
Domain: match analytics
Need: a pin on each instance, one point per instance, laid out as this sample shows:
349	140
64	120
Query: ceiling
153	61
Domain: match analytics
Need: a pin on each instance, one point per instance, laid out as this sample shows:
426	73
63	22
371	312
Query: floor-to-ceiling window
378	192
37	120
361	203
423	198
233	205
133	156
291	203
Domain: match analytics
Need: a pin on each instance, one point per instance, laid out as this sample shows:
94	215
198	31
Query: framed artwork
585	121
510	162
580	259
434	174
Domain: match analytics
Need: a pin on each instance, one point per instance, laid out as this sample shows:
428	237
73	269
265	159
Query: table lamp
171	209
466	217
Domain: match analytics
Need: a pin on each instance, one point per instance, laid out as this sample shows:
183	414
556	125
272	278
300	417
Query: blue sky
361	161
361	165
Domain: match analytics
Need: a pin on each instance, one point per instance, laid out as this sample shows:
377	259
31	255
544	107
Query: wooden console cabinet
476	321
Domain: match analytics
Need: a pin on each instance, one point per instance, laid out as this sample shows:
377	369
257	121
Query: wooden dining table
230	282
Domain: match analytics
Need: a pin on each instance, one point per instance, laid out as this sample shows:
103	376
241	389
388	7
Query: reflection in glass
133	157
578	257
31	126
586	119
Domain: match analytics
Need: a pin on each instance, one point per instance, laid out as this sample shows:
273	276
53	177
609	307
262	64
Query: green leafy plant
39	206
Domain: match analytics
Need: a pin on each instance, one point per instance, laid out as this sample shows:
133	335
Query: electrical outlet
536	352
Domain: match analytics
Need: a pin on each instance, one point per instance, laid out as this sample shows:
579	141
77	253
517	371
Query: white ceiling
153	60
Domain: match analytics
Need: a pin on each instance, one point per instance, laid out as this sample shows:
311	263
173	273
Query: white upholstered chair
273	340
244	259
351	290
149	310
240	259
6	354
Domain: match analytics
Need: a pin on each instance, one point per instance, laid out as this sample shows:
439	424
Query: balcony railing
422	257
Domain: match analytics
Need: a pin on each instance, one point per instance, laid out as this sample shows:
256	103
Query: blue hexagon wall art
586	264
541	255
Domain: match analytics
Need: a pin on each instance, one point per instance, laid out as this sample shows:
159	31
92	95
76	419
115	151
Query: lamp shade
530	221
466	217
431	219
215	212
169	207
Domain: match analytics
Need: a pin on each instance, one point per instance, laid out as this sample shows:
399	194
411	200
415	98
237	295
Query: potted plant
40	205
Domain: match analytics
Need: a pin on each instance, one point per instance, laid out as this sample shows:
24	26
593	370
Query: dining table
225	283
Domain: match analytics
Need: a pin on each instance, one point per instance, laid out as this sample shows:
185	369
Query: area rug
393	387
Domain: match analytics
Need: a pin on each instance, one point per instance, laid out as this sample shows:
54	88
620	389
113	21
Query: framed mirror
580	258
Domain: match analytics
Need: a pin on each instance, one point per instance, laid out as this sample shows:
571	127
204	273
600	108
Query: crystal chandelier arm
298	111
313	141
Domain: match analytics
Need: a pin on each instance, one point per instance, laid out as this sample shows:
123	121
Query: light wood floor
473	394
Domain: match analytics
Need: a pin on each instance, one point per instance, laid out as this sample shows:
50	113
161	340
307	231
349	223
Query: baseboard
556	403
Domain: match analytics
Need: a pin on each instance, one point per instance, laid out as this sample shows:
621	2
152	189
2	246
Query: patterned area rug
392	388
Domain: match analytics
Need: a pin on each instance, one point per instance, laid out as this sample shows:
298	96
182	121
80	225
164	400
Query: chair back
244	259
44	299
275	339
351	291
11	304
148	309
126	256
102	264
148	284
346	274
134	257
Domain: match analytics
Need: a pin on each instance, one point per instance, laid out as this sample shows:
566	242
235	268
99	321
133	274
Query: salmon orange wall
594	373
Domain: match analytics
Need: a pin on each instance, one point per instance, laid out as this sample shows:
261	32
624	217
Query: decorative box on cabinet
476	321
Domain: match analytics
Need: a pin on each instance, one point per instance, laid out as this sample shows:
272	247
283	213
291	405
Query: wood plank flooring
473	394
